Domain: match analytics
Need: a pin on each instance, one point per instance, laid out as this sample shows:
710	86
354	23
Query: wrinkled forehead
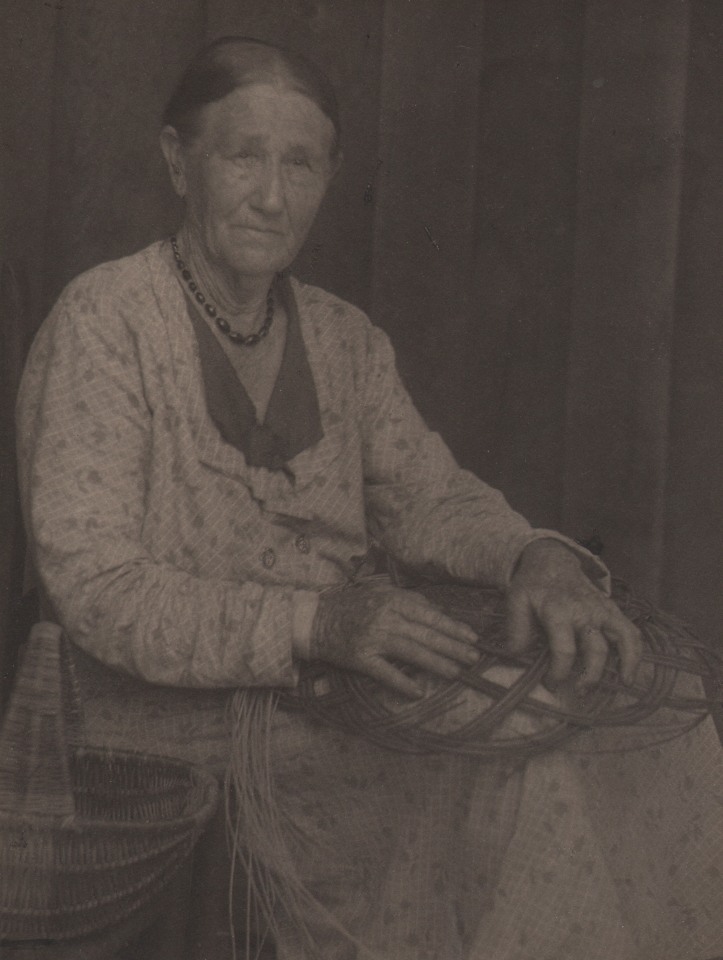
263	113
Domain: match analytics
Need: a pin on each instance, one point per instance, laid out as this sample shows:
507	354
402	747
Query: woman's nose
269	192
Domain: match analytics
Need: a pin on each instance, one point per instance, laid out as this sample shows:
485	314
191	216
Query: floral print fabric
161	550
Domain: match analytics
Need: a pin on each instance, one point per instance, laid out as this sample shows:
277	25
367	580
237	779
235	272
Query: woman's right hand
375	628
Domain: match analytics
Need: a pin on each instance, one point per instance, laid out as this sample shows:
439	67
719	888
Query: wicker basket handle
41	726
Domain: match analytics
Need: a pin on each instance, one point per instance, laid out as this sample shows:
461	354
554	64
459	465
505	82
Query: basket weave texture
87	836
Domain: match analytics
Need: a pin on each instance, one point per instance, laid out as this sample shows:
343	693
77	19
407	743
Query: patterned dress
181	570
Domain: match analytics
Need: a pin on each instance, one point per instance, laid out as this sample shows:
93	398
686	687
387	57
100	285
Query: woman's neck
241	299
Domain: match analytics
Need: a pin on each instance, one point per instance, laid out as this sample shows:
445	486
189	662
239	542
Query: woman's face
254	177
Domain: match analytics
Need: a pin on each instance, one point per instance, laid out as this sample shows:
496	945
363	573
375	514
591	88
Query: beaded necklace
221	322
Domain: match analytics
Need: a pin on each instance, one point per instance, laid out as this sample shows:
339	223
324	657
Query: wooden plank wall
115	65
26	68
692	581
624	280
525	230
425	203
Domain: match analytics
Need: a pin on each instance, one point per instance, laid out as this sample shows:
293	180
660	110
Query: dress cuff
592	566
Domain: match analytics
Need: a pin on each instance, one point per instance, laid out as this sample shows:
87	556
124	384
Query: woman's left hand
549	589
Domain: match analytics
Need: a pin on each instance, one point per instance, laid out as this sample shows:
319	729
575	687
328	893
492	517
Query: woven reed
479	715
87	837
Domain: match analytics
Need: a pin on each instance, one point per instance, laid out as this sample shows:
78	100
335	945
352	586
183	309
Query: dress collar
292	423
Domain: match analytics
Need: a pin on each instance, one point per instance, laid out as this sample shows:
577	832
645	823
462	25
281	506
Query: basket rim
32	823
110	753
198	777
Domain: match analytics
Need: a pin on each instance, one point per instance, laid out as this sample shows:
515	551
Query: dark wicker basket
87	837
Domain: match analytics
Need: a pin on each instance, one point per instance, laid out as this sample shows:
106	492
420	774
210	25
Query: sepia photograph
361	480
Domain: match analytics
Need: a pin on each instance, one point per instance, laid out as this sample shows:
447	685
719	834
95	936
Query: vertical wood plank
116	64
529	129
26	76
624	280
29	34
345	40
693	577
14	329
425	202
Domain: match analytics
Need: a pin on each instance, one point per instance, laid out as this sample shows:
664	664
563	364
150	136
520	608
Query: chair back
17	611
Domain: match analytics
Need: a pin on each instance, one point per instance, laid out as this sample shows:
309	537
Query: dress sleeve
85	427
422	507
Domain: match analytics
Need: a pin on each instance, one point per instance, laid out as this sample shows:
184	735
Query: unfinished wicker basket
498	708
87	837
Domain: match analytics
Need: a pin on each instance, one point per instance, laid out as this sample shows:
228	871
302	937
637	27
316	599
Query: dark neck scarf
292	422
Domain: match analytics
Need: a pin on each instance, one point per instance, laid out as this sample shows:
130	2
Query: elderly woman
209	452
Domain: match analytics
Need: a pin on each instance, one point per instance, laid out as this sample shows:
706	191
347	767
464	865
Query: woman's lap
570	855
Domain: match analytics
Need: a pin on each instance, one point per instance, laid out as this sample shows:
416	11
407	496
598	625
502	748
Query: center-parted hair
232	62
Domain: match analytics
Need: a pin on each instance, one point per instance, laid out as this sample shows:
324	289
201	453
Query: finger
563	649
428	640
409	651
595	652
392	677
519	624
414	642
419	610
629	642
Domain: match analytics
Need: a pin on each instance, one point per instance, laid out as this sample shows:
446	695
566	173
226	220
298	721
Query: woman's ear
173	152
